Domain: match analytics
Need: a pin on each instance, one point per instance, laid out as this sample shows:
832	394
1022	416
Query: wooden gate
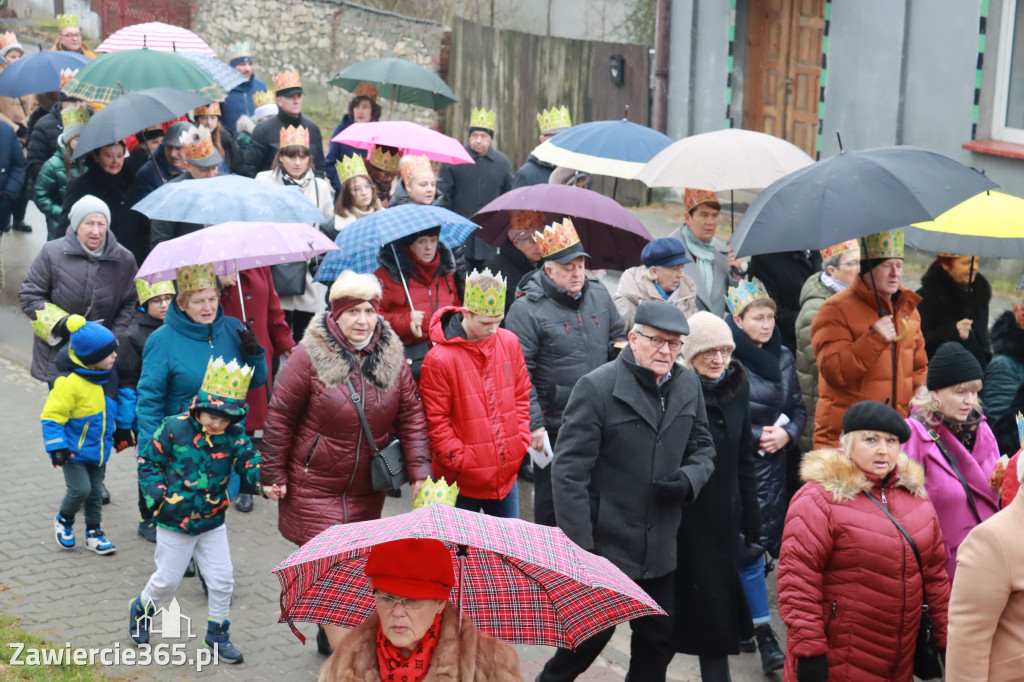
783	69
115	14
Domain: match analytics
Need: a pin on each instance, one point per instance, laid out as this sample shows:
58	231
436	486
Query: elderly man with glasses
70	39
634	448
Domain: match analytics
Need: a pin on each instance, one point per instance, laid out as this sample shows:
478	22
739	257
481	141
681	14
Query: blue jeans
506	508
754	586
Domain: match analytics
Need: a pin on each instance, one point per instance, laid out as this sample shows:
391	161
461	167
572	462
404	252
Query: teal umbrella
398	79
114	73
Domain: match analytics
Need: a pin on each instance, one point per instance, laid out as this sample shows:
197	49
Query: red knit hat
411	568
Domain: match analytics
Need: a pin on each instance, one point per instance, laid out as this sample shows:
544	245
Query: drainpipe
661	46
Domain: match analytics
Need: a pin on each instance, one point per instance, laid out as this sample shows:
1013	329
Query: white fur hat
706	331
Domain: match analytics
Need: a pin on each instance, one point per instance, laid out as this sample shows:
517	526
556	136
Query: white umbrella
155	35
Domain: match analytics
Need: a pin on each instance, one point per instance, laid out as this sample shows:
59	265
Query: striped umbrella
156	36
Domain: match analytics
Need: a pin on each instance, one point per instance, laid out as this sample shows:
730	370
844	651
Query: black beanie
870	415
951	365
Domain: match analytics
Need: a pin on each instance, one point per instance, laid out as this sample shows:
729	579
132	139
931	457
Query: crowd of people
705	422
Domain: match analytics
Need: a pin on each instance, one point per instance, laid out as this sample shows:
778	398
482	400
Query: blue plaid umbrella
360	242
225	75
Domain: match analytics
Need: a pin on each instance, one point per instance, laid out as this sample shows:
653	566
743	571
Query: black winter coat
468	187
623	432
259	155
130	346
533	172
513	265
708	596
42	141
162	230
783	275
118	192
944	303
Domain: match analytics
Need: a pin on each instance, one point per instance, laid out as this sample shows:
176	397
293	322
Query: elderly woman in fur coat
313	444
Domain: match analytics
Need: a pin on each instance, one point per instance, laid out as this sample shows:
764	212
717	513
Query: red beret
411	568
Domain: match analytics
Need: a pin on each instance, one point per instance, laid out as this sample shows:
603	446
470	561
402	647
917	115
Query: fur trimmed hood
386	259
844	480
334	363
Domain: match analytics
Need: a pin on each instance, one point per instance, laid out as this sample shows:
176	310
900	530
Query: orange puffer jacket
855	364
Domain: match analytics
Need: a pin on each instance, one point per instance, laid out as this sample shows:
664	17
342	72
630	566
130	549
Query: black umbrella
134	111
853	195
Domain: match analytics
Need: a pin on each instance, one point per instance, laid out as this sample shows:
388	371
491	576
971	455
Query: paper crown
212	109
287	79
436	493
350	167
1018	312
556	237
67	21
146	291
261	97
66	75
366	90
485	302
384	160
1020	431
294	136
553	119
836	249
197	143
227	380
526	221
745	293
46	319
196	277
74	116
239	51
481	118
693	198
888	244
8	39
413	166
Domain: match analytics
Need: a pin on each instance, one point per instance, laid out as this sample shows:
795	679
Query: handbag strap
952	465
358	401
904	533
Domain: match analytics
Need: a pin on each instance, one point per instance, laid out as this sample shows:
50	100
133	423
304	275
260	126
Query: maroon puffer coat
313	441
849	586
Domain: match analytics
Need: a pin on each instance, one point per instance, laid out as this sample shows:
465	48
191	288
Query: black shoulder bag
927	661
387	466
952	465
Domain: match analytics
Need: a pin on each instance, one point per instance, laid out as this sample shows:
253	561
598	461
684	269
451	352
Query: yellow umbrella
988	225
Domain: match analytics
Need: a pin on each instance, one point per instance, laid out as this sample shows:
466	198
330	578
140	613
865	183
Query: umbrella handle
241	296
461	554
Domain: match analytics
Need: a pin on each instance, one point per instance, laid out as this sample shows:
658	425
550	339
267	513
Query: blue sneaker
218	640
139	620
97	542
65	533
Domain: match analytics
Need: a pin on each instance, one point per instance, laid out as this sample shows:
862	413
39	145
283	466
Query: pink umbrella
156	36
410	138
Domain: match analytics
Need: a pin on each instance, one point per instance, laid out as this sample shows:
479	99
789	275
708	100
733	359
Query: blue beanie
90	341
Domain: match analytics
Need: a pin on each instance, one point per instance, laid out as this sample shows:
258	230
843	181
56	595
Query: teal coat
51	184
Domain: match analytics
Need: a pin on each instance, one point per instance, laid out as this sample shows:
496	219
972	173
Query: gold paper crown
229	380
745	293
481	118
261	97
366	90
384	160
436	493
146	291
526	221
287	79
350	167
66	75
47	318
239	50
556	237
888	244
490	302
197	143
294	136
836	249
196	277
692	198
67	21
74	116
554	118
212	109
413	166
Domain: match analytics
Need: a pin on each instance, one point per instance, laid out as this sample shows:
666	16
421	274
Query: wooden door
783	69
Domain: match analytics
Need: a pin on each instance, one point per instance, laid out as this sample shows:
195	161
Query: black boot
772	658
322	644
191	569
243	502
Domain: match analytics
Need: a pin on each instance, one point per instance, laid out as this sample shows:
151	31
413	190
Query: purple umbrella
612	236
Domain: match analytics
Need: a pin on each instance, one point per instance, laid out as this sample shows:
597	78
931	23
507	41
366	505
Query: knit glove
812	668
673	488
250	344
60	457
123	439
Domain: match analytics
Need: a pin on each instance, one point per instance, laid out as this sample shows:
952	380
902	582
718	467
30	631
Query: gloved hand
673	488
250	344
60	330
60	457
812	669
123	439
752	535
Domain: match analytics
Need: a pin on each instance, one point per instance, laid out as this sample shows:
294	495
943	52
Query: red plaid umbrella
521	582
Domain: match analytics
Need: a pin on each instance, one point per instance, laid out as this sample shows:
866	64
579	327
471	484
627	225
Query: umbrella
522	583
228	198
404	81
226	77
619	149
853	195
411	138
359	242
988	225
612	236
112	74
38	72
132	112
155	35
236	246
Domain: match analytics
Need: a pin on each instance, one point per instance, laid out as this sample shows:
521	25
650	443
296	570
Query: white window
1008	110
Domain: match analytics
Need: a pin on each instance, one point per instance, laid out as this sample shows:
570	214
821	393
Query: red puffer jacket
429	297
313	441
477	398
849	586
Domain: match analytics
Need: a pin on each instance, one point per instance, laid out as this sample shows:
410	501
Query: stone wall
320	38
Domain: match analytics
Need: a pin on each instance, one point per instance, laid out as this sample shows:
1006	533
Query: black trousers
543	498
650	649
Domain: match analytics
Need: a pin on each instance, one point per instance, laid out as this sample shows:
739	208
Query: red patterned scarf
394	667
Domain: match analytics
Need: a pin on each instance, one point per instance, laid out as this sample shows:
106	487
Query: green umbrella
399	79
114	73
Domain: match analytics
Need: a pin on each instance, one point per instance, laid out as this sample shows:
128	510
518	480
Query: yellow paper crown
196	277
485	302
553	119
350	167
413	166
888	244
526	221
74	116
66	75
146	291
47	318
239	50
227	380
287	79
384	160
261	97
556	237
197	143
67	21
842	247
294	136
481	118
745	293
436	493
212	109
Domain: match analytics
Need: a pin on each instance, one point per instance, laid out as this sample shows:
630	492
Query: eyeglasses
161	300
390	601
657	342
726	353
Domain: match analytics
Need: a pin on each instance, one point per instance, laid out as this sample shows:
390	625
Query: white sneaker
95	540
64	533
